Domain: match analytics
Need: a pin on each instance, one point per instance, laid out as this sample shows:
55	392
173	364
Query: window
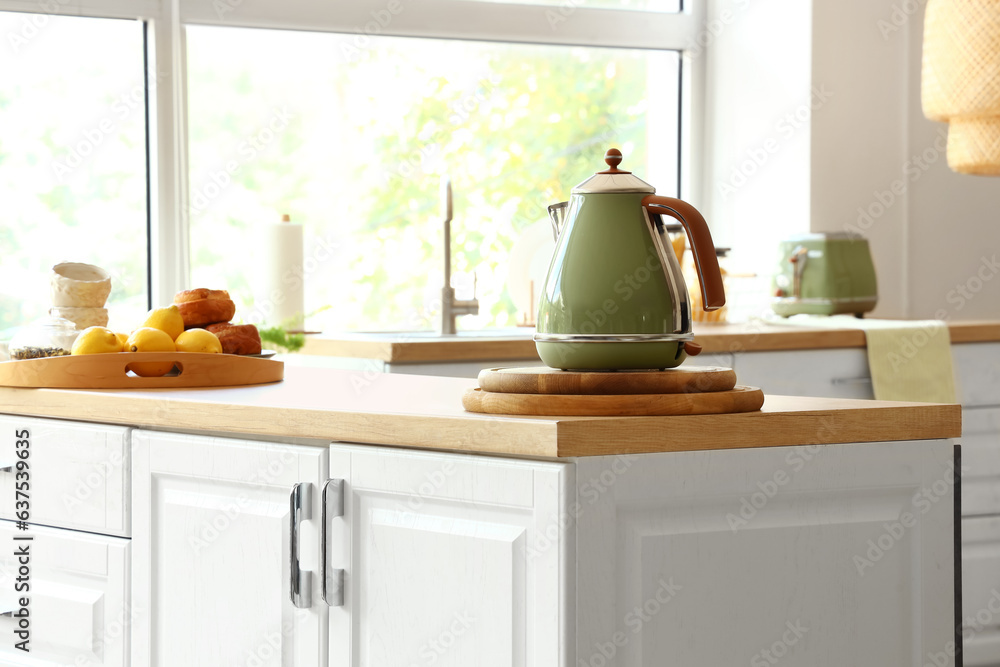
72	159
347	116
354	145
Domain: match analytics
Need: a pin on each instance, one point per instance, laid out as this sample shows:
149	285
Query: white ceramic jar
77	285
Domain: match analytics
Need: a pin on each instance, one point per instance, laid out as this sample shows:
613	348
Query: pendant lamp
961	80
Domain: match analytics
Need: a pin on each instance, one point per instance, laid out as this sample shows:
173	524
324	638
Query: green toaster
825	274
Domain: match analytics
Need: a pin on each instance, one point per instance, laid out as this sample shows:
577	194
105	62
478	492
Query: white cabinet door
212	543
79	473
798	556
451	560
78	610
981	591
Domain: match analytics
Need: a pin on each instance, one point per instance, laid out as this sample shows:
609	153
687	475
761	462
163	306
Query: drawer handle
333	578
301	580
851	381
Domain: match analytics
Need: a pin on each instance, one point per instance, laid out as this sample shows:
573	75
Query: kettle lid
613	179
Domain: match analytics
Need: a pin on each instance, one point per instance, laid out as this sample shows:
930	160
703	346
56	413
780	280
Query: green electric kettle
614	297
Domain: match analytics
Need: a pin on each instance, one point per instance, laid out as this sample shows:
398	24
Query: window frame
166	72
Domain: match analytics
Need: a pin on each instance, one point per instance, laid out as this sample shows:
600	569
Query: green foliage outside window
360	164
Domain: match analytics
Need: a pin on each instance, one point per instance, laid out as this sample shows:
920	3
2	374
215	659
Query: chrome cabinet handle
333	578
300	506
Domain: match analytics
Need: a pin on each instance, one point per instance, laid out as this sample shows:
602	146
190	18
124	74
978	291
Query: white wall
867	160
859	137
755	188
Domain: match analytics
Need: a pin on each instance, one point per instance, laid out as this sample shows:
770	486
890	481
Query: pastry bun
204	306
200	293
237	338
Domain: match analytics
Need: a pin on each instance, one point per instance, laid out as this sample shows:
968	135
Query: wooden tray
107	371
552	381
738	399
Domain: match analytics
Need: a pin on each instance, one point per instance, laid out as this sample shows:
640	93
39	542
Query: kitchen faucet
450	306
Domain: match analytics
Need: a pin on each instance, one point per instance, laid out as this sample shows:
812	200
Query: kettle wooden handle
702	247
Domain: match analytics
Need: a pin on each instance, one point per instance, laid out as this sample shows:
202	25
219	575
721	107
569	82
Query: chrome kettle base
592	355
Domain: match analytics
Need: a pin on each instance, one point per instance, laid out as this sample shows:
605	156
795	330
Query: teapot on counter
614	297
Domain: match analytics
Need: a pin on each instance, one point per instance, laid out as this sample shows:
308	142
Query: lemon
148	339
123	337
167	319
96	340
198	340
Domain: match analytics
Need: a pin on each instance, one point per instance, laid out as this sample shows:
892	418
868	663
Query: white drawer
981	591
980	461
843	373
79	608
839	373
977	366
79	474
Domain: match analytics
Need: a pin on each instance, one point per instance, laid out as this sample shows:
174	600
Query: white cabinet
837	554
840	554
79	609
451	560
981	463
213	552
79	474
833	555
835	373
977	366
845	374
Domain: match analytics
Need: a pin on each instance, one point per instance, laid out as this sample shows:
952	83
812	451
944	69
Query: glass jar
48	337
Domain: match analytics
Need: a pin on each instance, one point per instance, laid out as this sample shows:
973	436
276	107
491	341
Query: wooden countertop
426	412
714	338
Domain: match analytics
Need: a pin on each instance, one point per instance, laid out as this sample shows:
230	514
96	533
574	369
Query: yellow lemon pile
161	331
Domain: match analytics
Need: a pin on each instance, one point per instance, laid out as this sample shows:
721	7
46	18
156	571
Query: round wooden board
685	379
109	371
738	399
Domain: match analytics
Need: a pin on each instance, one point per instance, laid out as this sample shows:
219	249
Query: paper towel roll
280	279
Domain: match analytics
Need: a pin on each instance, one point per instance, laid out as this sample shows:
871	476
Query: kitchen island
354	518
781	358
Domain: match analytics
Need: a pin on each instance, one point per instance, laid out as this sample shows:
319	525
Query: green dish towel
909	360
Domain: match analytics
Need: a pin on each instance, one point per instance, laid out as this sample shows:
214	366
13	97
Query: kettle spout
557	214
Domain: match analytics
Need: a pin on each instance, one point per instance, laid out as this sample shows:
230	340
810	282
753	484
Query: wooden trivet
739	399
685	379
